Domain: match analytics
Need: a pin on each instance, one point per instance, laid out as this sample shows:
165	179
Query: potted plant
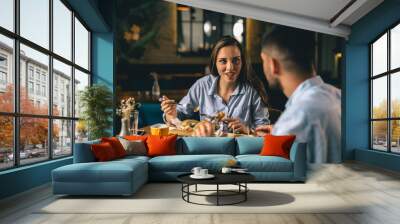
96	104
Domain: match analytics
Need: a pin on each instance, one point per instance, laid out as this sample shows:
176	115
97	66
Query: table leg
245	191
217	194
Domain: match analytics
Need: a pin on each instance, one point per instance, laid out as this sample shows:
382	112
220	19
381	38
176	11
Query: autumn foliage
33	130
380	127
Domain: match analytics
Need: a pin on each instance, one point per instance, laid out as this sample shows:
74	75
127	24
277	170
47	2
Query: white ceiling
314	15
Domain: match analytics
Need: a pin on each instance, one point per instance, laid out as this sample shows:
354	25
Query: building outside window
199	29
3	72
385	92
30	87
35	53
30	72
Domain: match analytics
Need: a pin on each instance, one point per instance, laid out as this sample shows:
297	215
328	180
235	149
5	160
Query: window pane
81	45
395	47
36	101
197	36
81	131
6	74
62	141
379	135
185	15
6	142
379	97
35	21
395	138
184	45
33	140
7	14
62	89
379	55
81	81
395	94
62	29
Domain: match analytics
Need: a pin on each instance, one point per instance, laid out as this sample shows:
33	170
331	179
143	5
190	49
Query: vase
125	127
135	122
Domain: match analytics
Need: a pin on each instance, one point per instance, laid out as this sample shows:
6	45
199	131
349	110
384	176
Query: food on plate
189	124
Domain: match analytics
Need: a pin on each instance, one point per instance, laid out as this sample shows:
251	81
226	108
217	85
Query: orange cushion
277	145
103	151
161	145
142	138
116	145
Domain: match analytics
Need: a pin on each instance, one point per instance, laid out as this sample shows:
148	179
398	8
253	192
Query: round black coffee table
238	179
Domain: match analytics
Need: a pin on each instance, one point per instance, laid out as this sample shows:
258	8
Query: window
43	90
385	94
199	29
53	125
38	89
30	87
3	72
3	78
30	72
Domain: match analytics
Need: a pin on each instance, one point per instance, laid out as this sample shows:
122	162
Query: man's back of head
294	48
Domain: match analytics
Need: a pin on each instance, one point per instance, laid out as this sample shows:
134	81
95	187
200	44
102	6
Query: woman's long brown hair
246	74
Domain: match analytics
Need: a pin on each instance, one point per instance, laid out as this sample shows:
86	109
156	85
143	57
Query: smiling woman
230	88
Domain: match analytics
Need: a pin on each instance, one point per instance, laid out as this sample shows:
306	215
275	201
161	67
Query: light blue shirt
244	103
313	114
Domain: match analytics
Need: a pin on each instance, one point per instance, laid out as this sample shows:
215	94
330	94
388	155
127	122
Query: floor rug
167	198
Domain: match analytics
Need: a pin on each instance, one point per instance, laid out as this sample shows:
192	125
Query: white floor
377	188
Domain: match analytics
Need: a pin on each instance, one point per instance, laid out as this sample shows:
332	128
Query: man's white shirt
313	114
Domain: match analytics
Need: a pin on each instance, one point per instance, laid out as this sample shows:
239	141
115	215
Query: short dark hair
295	47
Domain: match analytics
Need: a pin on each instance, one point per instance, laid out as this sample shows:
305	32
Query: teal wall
27	177
103	61
356	83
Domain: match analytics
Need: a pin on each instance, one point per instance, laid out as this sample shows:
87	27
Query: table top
220	178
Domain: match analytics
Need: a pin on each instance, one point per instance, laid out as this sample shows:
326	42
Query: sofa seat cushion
112	171
257	163
185	163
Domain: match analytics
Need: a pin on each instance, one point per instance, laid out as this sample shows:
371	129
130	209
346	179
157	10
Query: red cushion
277	145
161	145
103	151
116	145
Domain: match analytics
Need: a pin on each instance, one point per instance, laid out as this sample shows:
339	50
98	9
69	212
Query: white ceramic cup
203	172
196	171
226	170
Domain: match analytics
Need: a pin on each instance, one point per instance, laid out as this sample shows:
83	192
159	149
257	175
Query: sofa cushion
257	163
249	145
134	147
185	163
116	145
161	145
277	145
103	151
112	171
206	145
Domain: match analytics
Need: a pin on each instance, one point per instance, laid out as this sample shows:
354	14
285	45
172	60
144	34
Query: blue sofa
125	176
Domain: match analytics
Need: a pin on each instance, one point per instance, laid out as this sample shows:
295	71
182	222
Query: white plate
208	176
